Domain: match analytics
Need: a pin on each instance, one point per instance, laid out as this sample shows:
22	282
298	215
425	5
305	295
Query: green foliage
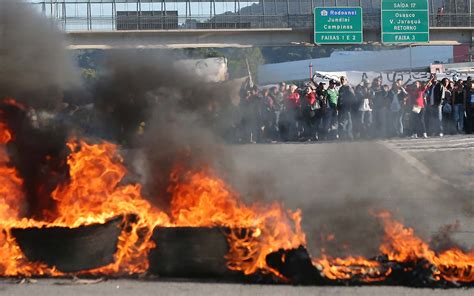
297	53
201	53
89	74
237	61
89	58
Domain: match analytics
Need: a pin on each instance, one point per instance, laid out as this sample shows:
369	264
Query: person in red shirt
293	98
310	96
308	108
291	115
416	94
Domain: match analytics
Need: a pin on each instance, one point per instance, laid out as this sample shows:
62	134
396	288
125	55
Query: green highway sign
338	25
405	21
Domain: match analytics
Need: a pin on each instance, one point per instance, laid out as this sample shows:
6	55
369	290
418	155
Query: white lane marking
439	144
468	138
422	168
440	148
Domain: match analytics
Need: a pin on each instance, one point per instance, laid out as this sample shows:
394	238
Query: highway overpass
189	38
227	23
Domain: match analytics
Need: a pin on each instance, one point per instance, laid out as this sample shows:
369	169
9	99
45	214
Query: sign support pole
411	61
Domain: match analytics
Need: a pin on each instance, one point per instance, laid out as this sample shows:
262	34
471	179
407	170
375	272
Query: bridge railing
104	23
166	20
452	20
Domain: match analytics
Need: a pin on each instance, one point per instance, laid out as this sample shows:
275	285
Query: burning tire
71	249
189	252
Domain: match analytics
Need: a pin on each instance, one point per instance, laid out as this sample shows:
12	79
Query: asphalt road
140	288
452	158
427	184
337	185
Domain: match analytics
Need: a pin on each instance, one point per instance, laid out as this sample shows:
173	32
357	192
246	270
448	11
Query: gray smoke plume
178	108
35	69
34	66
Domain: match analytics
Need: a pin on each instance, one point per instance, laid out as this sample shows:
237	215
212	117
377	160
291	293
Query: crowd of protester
337	109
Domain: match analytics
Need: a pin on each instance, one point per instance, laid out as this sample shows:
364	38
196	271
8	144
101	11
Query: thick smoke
175	110
34	67
135	88
39	155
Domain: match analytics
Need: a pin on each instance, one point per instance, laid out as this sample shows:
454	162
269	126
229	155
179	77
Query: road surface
425	183
141	288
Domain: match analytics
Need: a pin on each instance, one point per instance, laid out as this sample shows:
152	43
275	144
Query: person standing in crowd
398	102
364	108
458	106
249	109
274	93
436	97
469	106
268	114
321	112
278	94
447	109
417	101
258	124
289	122
308	109
360	92
380	107
345	107
332	97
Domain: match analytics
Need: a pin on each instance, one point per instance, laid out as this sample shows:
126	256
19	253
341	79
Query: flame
94	193
200	199
351	267
11	194
400	244
12	260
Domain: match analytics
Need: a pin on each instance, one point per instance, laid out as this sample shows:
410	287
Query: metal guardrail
117	23
113	21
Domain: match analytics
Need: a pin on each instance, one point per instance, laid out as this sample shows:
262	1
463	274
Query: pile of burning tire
200	252
91	222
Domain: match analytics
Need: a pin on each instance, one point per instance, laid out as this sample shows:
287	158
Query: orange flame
202	199
350	267
94	194
400	244
12	260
